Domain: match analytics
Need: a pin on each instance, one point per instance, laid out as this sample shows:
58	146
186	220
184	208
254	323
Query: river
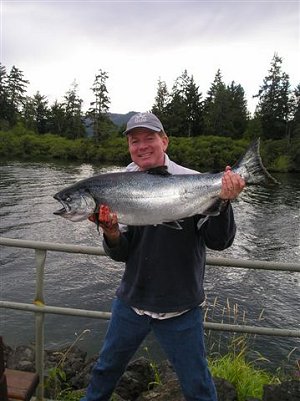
268	229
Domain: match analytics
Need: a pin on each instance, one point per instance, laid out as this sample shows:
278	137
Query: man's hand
232	185
108	221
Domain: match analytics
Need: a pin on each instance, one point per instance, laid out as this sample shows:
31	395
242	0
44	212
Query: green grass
247	379
68	395
228	358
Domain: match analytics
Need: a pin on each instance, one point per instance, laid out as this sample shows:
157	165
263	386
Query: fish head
77	205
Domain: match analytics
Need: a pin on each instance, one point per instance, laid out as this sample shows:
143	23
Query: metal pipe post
40	258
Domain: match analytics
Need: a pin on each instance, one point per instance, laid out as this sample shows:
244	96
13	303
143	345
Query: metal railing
40	309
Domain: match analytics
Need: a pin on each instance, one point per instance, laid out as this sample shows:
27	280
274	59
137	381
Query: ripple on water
268	229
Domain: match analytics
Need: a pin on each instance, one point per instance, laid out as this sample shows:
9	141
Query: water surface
268	229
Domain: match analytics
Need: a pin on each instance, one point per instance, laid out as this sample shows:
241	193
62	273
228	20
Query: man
162	286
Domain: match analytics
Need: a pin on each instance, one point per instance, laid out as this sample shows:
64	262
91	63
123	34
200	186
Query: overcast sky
138	42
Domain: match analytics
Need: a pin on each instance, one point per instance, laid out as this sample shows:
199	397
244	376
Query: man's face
147	148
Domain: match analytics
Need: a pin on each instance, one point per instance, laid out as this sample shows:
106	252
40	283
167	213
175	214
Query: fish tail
251	167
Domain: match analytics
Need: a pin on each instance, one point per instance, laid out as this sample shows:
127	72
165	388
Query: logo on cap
140	118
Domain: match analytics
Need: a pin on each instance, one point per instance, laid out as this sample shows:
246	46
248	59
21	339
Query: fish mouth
65	207
60	212
77	210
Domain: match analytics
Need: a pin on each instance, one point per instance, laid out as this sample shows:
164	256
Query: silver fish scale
142	199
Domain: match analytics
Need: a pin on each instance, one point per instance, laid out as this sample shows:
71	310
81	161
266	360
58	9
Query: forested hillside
205	130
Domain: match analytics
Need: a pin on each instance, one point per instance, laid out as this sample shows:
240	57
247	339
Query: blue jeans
181	338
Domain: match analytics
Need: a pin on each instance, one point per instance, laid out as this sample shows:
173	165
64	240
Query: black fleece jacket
164	267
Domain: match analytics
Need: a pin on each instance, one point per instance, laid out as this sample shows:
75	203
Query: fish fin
172	224
95	220
160	170
251	168
98	227
201	221
214	208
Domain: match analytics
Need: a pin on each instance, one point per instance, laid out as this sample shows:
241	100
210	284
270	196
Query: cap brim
156	129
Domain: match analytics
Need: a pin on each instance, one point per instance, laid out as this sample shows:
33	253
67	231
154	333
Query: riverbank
203	153
68	371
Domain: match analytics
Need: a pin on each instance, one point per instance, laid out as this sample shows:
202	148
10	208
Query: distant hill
117	119
121	119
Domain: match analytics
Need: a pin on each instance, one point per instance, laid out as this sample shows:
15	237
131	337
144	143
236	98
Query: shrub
202	153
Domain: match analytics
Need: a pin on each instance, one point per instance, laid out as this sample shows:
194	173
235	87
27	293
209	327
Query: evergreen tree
99	107
295	108
35	113
216	108
184	111
194	108
41	112
57	121
225	109
238	113
274	106
16	90
175	119
28	114
254	128
74	127
161	102
5	110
